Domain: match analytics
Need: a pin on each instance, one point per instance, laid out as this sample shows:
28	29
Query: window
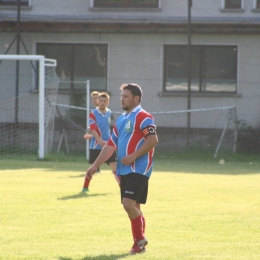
213	68
77	63
14	2
233	4
126	3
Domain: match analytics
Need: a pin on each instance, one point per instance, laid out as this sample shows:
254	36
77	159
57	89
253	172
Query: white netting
210	129
70	126
19	106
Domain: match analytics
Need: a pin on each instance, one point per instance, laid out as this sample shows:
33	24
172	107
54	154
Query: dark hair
133	88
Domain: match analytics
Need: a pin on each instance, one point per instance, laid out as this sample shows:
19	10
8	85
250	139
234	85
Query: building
145	41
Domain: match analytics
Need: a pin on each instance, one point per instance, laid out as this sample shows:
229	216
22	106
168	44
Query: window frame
14	3
72	81
201	78
256	4
126	5
225	7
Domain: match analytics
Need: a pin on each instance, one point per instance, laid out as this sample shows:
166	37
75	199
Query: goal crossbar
192	110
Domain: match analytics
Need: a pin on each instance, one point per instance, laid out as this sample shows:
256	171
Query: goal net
28	86
211	130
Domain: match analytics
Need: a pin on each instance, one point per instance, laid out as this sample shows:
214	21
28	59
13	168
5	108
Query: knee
128	207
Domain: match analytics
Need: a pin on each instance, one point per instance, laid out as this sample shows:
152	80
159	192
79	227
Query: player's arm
105	153
149	142
97	137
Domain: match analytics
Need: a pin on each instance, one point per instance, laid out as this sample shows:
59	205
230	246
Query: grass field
195	210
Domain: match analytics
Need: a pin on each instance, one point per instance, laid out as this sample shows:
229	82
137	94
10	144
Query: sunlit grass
195	210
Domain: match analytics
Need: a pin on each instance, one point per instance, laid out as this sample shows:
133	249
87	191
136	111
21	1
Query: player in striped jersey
94	99
99	123
134	136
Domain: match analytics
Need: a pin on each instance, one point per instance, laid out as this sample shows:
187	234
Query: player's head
131	96
94	97
134	89
103	100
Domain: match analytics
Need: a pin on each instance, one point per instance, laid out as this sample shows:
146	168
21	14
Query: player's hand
128	160
90	172
87	136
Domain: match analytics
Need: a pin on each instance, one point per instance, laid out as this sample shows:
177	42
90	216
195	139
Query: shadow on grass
82	175
81	195
78	176
99	257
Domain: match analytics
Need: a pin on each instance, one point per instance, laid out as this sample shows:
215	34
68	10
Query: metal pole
41	151
189	73
17	68
87	118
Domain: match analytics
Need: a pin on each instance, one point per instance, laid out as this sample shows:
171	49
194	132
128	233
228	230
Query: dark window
14	2
233	4
257	4
77	63
213	68
127	3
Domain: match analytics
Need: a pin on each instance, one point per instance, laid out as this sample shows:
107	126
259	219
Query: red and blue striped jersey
100	122
128	136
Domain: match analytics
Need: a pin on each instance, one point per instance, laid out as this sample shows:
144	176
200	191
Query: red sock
118	178
137	228
86	183
143	219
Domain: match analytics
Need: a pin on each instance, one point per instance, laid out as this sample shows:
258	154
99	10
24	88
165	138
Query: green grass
196	209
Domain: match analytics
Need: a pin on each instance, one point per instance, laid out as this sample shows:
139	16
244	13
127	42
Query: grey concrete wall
170	10
139	58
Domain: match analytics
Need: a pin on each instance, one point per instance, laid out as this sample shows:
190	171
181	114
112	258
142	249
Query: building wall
170	9
139	58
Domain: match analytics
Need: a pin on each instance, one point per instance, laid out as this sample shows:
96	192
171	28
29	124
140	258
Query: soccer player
134	136
99	123
94	98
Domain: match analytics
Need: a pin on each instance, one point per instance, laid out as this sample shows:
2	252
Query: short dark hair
133	88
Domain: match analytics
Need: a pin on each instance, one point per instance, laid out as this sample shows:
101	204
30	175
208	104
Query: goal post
87	115
38	75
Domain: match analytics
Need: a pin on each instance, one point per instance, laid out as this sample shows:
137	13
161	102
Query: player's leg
138	206
93	154
134	189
